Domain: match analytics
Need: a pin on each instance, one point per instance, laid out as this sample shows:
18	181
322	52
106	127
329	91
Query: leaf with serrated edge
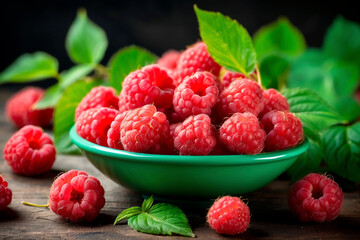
50	98
128	213
227	41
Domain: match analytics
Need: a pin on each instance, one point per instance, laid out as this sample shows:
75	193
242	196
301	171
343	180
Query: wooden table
270	217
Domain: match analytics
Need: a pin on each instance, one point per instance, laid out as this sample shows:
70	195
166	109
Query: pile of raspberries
188	104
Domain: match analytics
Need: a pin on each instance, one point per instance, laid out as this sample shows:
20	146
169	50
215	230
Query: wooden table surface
270	217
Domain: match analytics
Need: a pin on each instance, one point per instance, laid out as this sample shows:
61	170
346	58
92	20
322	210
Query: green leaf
279	38
128	213
85	42
227	41
127	60
65	113
341	146
274	71
147	204
349	108
51	97
30	67
75	73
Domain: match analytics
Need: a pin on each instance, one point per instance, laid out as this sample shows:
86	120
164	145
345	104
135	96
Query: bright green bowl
188	177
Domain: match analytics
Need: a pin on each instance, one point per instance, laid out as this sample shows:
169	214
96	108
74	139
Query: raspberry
169	59
195	59
76	196
30	151
113	134
195	136
96	98
94	123
315	198
144	130
242	133
242	95
273	100
229	215
20	108
5	194
227	77
195	95
150	85
284	130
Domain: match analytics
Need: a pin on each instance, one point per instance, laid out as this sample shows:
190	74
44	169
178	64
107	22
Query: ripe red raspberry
113	134
315	198
229	215
94	123
150	85
96	98
284	130
273	100
30	151
242	95
195	59
195	136
169	60
242	133
76	196
144	130
5	194
20	108
195	95
227	77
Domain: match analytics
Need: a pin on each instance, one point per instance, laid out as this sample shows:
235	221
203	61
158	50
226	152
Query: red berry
195	95
169	60
273	100
195	136
76	196
242	134
20	108
5	194
150	85
94	123
144	130
227	77
195	59
30	151
229	215
113	134
284	130
315	198
96	98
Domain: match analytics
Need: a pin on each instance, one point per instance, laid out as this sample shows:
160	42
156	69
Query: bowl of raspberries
186	127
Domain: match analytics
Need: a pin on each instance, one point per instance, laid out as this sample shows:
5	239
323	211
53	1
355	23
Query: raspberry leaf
147	204
51	97
128	213
228	42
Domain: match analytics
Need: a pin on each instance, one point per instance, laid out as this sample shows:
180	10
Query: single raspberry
195	95
96	98
242	133
242	95
229	215
5	194
94	123
150	85
227	77
113	134
195	59
169	59
284	130
76	196
20	108
30	151
144	130
315	198
195	136
274	100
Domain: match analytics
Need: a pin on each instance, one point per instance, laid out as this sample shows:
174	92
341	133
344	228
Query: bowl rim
224	160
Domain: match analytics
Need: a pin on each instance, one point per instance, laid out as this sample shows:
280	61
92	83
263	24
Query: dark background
29	26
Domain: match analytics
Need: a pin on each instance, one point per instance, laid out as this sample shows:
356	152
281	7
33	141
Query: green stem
258	74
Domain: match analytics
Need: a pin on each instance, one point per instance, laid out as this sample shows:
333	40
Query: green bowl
188	177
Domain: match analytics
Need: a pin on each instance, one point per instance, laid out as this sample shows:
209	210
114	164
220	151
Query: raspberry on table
30	151
274	100
227	77
316	198
195	95
98	97
144	130
149	85
229	215
195	59
195	136
76	196
20	108
242	134
5	194
284	130
94	123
